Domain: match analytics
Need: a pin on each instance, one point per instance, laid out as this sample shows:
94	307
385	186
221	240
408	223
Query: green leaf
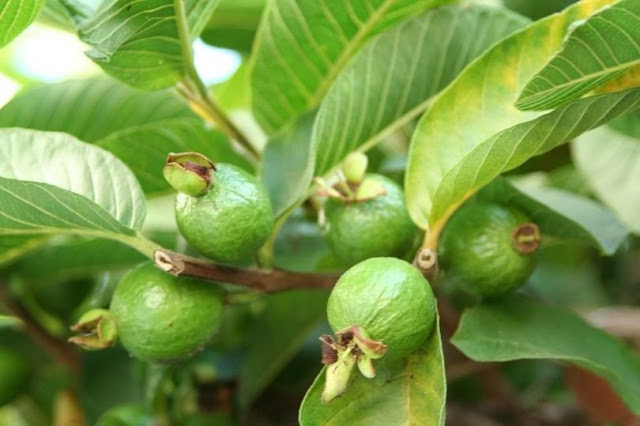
234	24
473	132
277	334
536	9
62	160
138	42
560	213
392	80
90	109
517	328
596	51
610	161
15	16
74	259
144	149
32	208
355	115
301	47
411	391
287	169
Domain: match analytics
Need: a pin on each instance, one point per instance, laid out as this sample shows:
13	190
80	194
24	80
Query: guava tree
387	199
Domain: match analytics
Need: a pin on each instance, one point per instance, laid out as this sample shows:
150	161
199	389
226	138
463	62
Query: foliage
456	101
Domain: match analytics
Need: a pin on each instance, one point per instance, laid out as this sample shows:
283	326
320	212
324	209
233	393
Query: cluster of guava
382	308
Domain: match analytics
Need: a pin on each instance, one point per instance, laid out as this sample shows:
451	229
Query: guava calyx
189	172
97	330
352	347
526	238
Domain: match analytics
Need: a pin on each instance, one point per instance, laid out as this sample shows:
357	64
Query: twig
197	94
256	279
60	350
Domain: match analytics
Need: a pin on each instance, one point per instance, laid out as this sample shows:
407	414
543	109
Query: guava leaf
301	47
560	213
392	80
610	162
75	259
276	335
144	149
388	83
234	24
62	160
90	109
287	170
517	328
410	391
138	42
36	209
15	16
473	132
599	49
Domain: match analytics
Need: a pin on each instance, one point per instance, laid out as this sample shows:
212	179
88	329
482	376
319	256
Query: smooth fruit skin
164	318
476	247
390	299
14	375
231	221
373	228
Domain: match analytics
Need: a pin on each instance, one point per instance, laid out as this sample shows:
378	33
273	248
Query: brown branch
59	350
256	279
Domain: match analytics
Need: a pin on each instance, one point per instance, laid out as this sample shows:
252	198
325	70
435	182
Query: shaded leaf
144	149
610	161
138	42
473	132
287	169
561	214
410	391
302	46
90	109
15	16
277	334
234	24
596	51
517	328
536	9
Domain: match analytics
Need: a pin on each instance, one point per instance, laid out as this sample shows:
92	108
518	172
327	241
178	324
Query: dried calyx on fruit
96	330
366	215
221	210
380	308
489	247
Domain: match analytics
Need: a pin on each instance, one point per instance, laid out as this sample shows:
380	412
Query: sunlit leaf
15	16
597	50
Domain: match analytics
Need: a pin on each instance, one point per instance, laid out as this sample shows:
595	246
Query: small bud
97	329
370	189
354	167
189	172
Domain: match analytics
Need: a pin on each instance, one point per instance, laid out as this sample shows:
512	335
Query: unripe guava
231	220
160	317
387	298
489	247
381	226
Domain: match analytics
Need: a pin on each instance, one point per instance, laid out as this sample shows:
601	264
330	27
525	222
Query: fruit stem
257	279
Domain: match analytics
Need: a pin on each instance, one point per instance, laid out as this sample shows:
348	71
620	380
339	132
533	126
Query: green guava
231	220
387	298
489	247
377	227
14	375
161	317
